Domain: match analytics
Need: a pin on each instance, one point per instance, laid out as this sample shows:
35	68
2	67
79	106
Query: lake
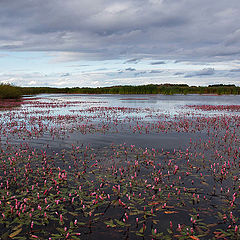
120	166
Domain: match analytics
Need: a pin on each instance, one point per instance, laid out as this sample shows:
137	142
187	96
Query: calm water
189	167
119	112
171	104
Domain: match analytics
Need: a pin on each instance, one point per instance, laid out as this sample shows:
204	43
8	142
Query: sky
96	43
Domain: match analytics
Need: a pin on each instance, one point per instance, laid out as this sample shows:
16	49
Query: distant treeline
167	89
8	91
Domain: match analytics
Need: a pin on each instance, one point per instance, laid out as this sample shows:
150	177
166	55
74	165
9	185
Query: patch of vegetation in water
8	91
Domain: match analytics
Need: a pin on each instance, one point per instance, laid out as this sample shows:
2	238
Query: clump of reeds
8	91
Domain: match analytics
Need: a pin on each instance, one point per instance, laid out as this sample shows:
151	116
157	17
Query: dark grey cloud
178	73
235	70
158	63
140	73
65	75
127	29
203	72
133	60
155	71
130	69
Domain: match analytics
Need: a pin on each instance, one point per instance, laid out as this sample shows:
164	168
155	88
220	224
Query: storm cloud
126	29
112	42
130	69
203	72
157	63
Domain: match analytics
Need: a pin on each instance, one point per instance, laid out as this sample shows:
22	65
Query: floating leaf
170	212
154	203
81	223
17	227
110	223
177	236
15	233
194	238
204	183
74	214
122	223
139	234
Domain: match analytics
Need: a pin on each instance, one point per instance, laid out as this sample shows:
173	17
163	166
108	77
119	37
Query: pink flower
179	227
34	236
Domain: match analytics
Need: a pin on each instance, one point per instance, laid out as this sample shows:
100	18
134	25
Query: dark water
103	126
